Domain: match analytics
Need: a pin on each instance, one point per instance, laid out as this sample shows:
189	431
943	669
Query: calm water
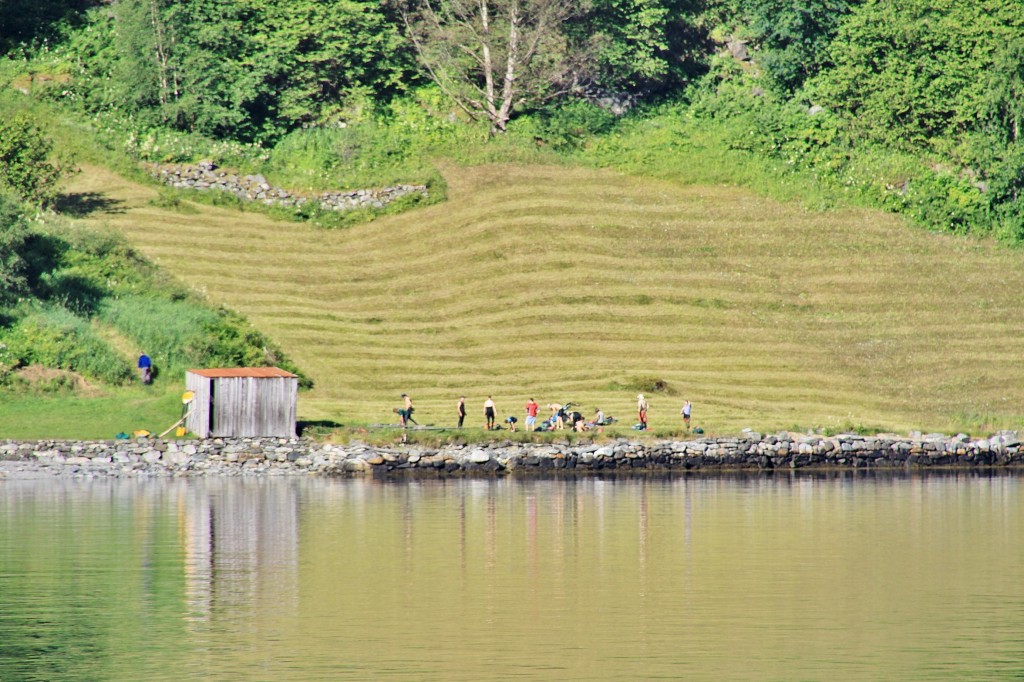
697	578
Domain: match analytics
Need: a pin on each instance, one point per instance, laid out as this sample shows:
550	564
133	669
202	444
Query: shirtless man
558	414
641	410
406	412
489	411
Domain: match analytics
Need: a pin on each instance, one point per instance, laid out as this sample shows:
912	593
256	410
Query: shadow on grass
82	204
318	427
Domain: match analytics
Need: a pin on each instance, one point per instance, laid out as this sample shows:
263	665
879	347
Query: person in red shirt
531	415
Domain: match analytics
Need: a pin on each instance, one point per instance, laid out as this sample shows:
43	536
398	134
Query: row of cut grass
571	284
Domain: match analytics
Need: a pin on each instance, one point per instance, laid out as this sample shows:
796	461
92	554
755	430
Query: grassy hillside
572	284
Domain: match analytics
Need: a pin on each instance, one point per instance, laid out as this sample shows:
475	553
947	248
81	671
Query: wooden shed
242	402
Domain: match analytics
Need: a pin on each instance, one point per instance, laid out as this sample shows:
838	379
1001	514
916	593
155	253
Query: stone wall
207	177
272	456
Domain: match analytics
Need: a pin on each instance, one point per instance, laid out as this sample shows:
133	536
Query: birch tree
491	56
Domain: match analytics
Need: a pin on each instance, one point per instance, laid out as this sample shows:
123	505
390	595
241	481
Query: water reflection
846	574
241	545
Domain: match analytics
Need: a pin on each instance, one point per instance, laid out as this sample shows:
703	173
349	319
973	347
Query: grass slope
573	284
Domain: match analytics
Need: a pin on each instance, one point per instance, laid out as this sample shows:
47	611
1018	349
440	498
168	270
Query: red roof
237	372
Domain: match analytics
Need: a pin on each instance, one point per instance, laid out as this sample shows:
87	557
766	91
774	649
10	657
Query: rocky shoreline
205	176
145	457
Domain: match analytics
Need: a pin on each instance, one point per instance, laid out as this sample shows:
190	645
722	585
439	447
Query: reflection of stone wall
270	456
207	177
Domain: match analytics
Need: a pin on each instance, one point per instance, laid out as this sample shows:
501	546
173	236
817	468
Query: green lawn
153	408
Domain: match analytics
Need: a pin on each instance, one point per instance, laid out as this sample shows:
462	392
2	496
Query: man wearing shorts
406	412
489	412
557	416
641	410
531	415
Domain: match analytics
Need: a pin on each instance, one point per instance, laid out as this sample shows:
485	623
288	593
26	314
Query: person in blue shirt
145	369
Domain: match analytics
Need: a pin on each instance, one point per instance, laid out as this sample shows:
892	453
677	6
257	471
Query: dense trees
914	71
914	105
493	56
642	46
32	22
793	37
933	87
251	70
243	69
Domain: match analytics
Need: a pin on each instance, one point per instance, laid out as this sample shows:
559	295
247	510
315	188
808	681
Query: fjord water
756	577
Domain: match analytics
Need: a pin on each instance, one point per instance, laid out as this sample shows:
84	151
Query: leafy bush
567	126
908	73
373	153
182	334
793	38
24	159
71	278
55	337
13	234
241	71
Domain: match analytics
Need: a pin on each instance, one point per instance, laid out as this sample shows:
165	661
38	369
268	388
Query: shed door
211	425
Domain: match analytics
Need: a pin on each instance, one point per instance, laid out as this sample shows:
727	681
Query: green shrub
369	154
569	125
54	337
13	236
168	331
183	334
25	165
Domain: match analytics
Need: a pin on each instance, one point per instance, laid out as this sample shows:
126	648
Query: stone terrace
146	457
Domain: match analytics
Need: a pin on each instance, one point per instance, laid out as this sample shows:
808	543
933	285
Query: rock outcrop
206	177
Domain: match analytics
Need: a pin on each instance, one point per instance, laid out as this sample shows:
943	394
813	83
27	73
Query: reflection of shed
242	402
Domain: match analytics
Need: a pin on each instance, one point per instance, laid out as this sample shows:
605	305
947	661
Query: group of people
562	416
641	410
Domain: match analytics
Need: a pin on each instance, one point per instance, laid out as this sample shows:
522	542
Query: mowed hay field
574	284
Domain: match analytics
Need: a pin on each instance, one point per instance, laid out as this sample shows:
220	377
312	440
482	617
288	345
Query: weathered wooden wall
238	407
250	406
199	421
